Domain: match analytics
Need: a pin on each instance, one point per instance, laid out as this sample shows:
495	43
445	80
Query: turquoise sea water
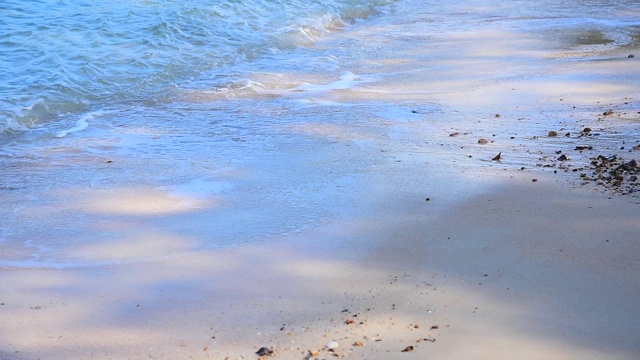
62	58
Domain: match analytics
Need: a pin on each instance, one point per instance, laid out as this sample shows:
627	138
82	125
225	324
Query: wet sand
439	250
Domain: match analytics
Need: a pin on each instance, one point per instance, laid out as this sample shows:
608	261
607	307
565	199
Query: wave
61	58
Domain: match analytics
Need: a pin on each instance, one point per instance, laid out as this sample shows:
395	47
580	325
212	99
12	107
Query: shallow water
199	134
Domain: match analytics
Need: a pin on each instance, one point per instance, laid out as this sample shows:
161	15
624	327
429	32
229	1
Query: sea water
149	86
137	130
63	59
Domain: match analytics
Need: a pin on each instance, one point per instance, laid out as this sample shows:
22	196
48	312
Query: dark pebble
264	351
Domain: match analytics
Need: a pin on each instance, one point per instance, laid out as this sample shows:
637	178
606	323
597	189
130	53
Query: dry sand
494	265
521	271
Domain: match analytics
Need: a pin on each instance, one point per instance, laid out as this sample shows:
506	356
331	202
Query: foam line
81	124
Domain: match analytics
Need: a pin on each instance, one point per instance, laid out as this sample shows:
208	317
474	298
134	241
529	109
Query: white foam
21	120
40	101
12	125
277	85
81	125
245	88
347	80
310	30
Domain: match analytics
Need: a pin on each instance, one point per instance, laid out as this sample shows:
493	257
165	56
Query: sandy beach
522	270
432	251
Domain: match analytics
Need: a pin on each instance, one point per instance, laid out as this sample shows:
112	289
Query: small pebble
264	351
332	345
